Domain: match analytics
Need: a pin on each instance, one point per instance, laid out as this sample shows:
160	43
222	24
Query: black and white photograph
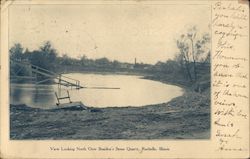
109	71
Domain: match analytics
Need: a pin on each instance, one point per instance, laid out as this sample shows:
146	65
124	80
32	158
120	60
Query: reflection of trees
16	94
36	95
33	95
43	96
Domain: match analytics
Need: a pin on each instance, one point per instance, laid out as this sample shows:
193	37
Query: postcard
124	79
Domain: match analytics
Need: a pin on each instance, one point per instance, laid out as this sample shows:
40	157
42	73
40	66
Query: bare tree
193	48
191	36
184	48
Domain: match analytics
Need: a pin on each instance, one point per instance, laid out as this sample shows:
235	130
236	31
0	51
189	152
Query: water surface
133	91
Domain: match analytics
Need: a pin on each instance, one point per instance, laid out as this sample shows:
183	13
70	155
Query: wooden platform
72	106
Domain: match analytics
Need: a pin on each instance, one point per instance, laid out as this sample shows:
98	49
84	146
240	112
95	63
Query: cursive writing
230	74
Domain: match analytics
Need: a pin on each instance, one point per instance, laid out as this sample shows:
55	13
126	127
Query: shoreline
183	117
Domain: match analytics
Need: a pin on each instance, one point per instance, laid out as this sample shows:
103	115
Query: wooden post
36	74
57	99
59	85
69	97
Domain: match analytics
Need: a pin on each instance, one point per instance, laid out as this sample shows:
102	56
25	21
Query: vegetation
184	117
47	57
192	50
190	67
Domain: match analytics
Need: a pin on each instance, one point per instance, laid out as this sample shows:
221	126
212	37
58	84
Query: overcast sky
121	32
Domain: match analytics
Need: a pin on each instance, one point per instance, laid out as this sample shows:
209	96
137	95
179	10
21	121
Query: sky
118	32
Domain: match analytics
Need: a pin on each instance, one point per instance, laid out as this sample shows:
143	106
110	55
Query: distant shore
184	117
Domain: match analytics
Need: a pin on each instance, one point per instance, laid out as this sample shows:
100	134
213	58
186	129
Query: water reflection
33	95
133	91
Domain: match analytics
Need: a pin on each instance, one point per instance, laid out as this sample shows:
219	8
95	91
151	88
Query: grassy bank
184	117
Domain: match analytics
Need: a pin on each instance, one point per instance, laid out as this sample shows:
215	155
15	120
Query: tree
65	60
116	64
48	51
26	54
83	60
104	62
202	47
193	48
45	57
184	49
16	52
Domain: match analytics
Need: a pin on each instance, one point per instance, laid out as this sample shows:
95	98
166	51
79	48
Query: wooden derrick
34	71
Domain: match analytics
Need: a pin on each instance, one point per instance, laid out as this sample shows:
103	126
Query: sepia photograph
109	71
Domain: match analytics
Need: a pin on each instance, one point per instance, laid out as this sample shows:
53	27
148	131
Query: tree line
47	57
194	50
